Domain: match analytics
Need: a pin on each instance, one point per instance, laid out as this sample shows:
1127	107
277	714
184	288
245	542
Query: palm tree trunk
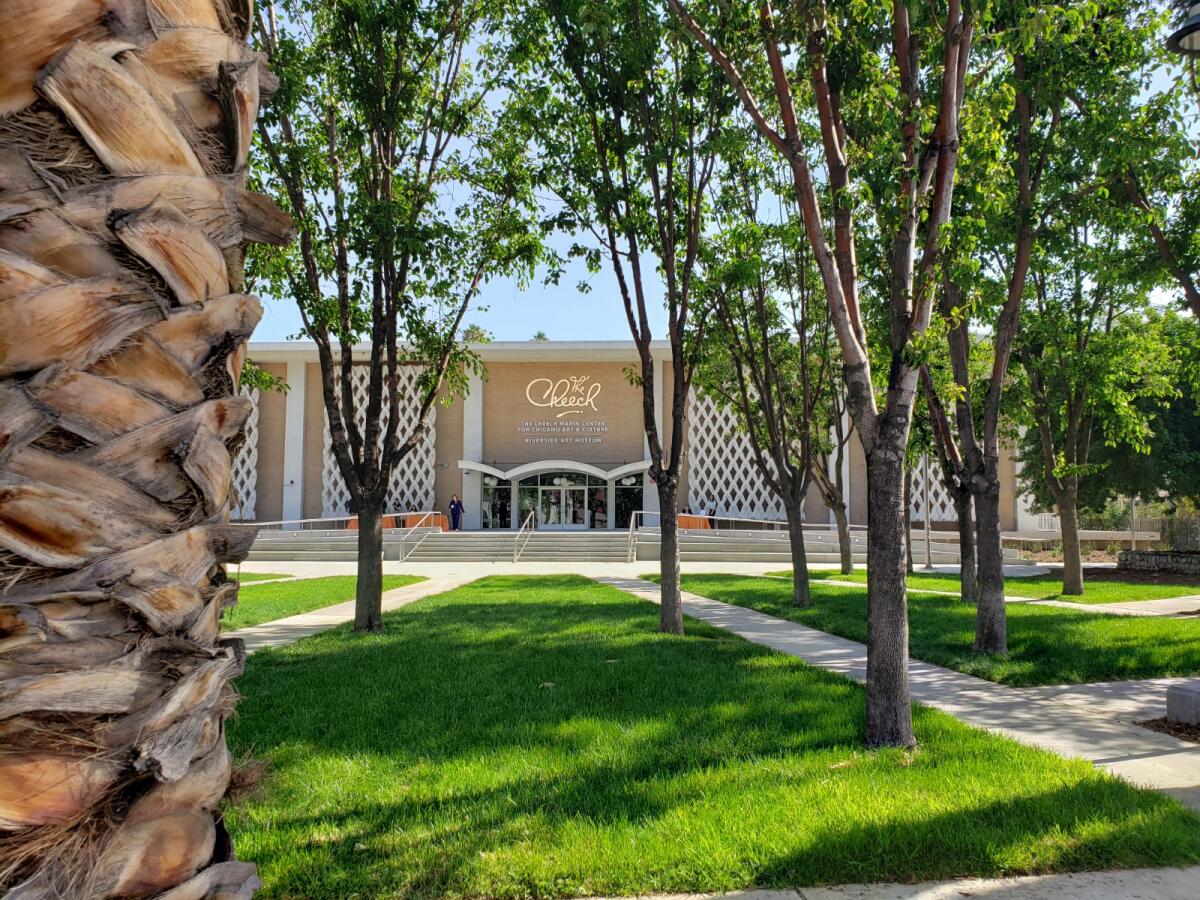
123	220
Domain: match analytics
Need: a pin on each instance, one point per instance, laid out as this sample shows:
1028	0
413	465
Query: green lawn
258	603
536	737
247	577
1047	644
1036	587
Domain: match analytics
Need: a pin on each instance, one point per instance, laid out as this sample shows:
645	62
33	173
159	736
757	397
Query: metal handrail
631	546
306	524
760	527
518	546
408	533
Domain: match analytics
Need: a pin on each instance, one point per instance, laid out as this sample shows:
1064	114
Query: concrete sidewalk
285	631
1035	717
1127	884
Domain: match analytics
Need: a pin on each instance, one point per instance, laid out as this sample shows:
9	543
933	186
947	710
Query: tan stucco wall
1008	489
272	414
448	477
507	406
858	481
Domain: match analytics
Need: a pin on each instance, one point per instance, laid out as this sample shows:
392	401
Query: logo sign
566	396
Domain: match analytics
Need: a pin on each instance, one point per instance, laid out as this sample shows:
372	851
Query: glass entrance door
562	507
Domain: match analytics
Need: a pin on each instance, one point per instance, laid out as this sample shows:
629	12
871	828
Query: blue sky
512	314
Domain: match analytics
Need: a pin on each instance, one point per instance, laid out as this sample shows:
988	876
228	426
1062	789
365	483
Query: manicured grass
1047	644
536	737
258	603
247	577
1036	587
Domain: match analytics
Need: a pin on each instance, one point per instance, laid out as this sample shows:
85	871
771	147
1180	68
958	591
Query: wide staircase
536	546
716	545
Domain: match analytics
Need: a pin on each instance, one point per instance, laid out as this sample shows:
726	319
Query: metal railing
521	541
717	527
409	532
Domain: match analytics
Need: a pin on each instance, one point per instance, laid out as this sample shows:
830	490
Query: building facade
549	429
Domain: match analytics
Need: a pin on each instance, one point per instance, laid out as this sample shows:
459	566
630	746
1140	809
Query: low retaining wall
1159	561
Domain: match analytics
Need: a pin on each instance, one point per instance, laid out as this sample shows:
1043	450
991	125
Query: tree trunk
968	575
670	610
845	547
368	590
1068	512
123	220
889	711
801	595
990	617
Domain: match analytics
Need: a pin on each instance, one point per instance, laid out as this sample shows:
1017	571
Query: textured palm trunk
124	130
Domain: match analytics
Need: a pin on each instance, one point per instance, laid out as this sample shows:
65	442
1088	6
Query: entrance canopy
556	465
555	493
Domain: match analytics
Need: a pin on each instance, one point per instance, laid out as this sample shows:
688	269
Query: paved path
1071	729
285	631
1167	606
1128	884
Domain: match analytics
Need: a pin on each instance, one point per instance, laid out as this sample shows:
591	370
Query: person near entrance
456	513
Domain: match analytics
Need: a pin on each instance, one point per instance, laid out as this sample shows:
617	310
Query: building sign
571	396
574	395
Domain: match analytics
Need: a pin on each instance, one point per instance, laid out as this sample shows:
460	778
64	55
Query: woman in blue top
456	511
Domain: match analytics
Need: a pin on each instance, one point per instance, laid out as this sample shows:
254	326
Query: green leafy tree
395	144
539	336
629	119
476	334
1095	362
850	87
769	349
1059	79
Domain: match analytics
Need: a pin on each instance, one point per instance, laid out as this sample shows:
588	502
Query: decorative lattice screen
245	465
412	482
722	474
941	507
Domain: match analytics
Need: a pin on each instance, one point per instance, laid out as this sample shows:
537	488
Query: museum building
549	427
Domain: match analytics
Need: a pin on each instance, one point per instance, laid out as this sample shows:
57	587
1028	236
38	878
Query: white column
1027	519
472	482
611	499
293	440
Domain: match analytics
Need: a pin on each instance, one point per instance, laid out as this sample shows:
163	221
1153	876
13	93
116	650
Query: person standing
456	513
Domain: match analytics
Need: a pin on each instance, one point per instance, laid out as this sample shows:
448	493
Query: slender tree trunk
122	340
845	547
889	710
1068	513
801	595
990	617
670	610
368	590
968	576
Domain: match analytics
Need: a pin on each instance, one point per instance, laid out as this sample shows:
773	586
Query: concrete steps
568	546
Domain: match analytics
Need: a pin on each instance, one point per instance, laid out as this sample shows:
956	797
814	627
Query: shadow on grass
537	737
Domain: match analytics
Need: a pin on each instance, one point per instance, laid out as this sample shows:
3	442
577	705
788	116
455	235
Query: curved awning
516	473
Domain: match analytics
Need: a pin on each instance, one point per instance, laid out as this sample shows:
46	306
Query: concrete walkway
1140	756
1128	884
285	631
1167	606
